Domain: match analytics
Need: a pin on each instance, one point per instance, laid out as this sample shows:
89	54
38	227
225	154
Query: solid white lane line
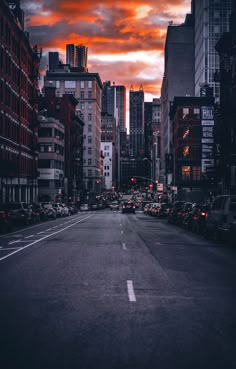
124	246
43	238
131	294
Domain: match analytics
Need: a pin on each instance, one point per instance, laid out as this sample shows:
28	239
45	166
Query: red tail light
203	213
133	207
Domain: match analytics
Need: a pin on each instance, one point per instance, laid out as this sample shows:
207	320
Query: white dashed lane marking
131	294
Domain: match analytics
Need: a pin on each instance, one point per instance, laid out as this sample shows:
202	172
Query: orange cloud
125	38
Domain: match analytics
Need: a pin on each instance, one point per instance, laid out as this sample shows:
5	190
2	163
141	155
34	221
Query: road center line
122	232
43	238
131	293
124	246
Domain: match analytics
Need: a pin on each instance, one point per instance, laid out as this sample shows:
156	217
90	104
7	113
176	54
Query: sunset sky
125	38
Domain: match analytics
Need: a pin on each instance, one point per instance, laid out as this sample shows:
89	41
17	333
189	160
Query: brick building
191	160
64	109
19	71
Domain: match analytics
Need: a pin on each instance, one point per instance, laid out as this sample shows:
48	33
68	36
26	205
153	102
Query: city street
108	290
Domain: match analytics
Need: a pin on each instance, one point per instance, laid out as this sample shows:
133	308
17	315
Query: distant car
50	211
84	207
128	207
114	205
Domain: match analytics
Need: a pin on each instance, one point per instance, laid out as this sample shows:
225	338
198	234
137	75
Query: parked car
5	219
59	209
184	213
114	205
20	213
84	207
165	209
198	224
128	207
174	212
146	207
155	209
50	211
221	219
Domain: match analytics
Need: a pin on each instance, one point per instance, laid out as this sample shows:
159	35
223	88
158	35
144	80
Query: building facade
108	147
178	80
64	109
86	88
226	132
211	19
192	160
51	144
19	72
136	111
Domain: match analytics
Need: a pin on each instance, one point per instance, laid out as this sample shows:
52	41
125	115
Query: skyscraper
76	56
211	18
136	101
178	79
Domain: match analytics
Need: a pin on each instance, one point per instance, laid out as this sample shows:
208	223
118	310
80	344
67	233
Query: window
89	151
89	128
70	84
185	113
186	151
196	173
186	133
89	139
57	84
185	173
90	94
89	161
89	173
89	106
90	117
82	106
82	94
81	84
90	84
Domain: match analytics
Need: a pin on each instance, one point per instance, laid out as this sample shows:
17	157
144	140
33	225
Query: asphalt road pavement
106	290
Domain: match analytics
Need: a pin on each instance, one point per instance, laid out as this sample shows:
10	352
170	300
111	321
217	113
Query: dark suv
221	219
20	213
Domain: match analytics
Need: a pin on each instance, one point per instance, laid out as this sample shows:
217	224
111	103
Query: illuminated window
186	173
186	131
185	113
186	151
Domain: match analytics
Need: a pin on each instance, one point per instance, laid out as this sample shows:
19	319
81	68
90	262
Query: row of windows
11	130
53	148
26	166
188	173
72	84
52	164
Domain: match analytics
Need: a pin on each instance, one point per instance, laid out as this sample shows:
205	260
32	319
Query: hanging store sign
207	138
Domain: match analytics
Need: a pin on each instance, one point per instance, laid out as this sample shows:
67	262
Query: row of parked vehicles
216	220
19	213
